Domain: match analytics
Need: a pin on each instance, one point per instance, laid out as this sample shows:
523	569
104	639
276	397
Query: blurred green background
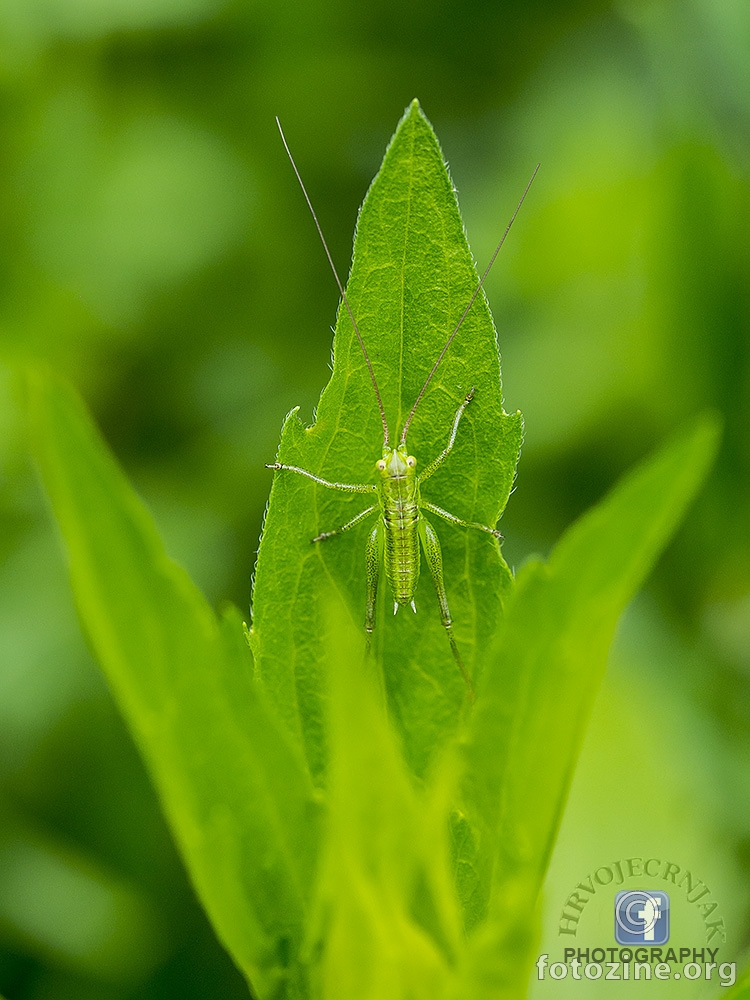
155	247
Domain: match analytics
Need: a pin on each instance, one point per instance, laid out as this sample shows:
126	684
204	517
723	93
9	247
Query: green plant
344	849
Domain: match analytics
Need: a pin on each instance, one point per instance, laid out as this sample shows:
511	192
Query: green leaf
388	924
548	661
234	789
412	277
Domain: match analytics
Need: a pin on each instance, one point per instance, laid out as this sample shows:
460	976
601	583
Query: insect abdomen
402	551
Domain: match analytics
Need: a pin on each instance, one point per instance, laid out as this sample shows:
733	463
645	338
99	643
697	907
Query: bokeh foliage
154	247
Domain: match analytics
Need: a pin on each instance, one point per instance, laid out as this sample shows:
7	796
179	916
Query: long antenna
386	436
458	325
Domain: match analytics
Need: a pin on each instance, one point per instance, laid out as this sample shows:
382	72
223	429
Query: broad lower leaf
235	791
547	664
388	923
412	277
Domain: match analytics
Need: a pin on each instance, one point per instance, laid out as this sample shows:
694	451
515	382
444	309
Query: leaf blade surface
412	277
235	792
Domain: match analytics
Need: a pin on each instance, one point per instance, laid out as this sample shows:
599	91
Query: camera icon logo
642	917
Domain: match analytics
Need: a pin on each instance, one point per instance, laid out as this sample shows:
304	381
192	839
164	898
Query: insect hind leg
373	560
434	556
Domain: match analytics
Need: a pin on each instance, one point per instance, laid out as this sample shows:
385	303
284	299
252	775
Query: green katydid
401	527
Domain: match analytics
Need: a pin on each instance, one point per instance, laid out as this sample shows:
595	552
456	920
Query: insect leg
346	487
345	527
436	463
373	560
452	519
434	557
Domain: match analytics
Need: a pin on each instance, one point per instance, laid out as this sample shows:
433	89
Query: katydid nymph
402	531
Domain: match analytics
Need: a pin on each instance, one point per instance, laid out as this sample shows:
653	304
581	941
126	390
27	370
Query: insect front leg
436	463
434	556
344	487
452	519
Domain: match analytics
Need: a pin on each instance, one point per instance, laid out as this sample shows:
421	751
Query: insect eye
380	464
411	460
